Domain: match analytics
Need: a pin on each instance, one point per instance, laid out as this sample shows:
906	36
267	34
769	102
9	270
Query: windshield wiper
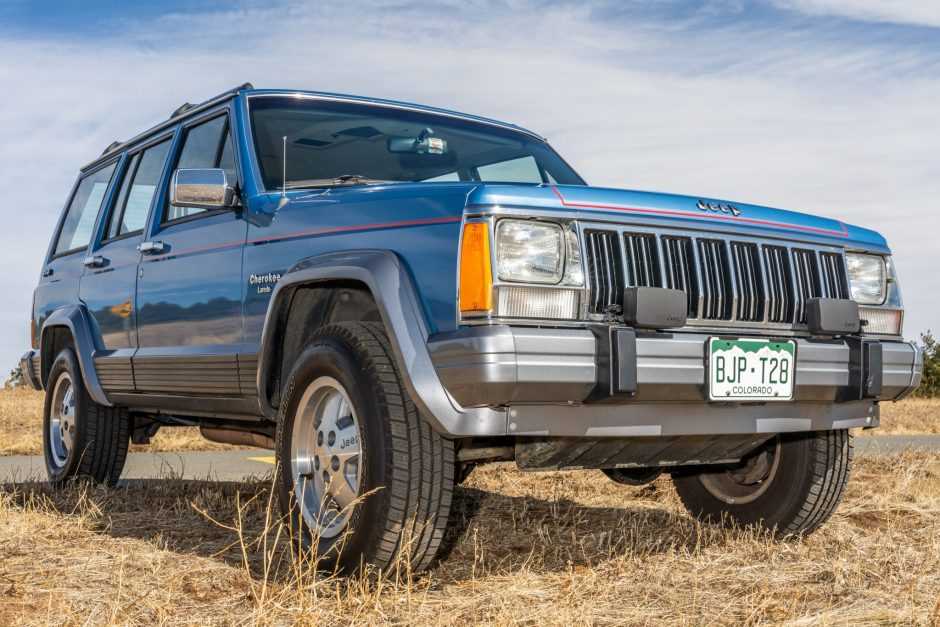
339	181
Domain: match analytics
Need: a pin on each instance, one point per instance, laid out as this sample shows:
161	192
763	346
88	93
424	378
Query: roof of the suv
187	110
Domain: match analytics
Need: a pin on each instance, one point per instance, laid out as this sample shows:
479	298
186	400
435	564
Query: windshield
340	143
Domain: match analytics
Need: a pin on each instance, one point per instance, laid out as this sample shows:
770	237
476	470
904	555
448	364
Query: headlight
530	252
867	278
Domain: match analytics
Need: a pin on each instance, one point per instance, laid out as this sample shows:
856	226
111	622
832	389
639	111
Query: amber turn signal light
476	276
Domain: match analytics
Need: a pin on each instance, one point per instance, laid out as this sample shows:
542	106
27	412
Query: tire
403	470
805	478
632	476
81	439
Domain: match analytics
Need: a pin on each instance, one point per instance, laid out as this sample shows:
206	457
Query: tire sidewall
331	356
783	499
65	362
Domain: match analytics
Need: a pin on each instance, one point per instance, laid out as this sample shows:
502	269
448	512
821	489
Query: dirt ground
21	425
533	549
547	548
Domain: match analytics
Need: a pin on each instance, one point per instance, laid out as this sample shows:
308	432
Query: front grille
835	278
716	280
725	280
807	280
642	259
780	301
749	288
605	271
680	270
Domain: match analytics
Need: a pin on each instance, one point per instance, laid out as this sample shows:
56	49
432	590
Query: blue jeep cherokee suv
388	294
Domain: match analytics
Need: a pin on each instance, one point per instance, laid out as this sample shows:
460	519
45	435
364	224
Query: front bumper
564	382
31	367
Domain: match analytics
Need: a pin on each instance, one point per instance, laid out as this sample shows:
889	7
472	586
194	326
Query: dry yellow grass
21	428
914	415
554	548
21	424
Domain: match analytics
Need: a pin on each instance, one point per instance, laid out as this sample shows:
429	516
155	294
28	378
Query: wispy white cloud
748	110
918	12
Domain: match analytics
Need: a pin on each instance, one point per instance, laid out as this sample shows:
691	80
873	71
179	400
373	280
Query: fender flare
79	323
390	283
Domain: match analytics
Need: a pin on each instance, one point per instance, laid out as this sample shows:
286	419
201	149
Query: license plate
751	370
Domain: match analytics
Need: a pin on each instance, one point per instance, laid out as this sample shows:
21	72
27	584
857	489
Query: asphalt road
242	465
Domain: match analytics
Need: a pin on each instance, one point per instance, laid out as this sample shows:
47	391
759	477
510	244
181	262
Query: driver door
189	290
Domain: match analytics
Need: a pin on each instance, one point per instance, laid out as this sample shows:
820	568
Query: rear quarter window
83	210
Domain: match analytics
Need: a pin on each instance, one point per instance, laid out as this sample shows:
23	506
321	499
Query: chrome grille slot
642	260
605	270
749	286
779	285
680	270
806	270
835	283
716	280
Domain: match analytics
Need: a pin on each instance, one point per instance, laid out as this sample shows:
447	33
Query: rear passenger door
109	284
189	292
62	272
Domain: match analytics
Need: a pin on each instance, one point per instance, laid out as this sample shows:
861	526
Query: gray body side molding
394	292
77	320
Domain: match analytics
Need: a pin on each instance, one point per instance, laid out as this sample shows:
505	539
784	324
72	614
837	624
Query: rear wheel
791	485
362	477
81	439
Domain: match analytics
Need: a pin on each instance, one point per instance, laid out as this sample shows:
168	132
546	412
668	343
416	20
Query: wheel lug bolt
320	438
326	477
331	439
316	463
334	463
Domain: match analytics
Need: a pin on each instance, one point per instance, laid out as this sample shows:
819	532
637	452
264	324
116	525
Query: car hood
676	211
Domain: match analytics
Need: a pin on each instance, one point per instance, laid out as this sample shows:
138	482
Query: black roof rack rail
181	110
187	106
111	147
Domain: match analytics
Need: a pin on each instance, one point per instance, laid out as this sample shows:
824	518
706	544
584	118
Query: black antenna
283	201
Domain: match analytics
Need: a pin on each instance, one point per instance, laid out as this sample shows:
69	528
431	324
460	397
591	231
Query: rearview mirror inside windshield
424	144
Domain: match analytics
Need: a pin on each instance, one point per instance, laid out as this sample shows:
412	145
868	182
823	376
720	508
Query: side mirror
203	189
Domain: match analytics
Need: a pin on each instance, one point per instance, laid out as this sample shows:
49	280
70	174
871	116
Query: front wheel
791	485
362	478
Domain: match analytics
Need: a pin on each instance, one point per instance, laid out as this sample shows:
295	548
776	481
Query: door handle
151	248
94	261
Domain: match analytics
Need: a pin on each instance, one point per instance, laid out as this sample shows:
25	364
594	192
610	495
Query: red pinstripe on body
311	233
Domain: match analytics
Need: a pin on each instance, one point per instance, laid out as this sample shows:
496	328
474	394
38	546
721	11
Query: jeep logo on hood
718	207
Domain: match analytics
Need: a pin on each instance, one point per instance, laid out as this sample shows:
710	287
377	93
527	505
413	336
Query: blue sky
826	106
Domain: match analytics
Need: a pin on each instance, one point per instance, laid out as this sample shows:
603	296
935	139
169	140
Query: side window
83	211
443	178
137	190
521	170
208	145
